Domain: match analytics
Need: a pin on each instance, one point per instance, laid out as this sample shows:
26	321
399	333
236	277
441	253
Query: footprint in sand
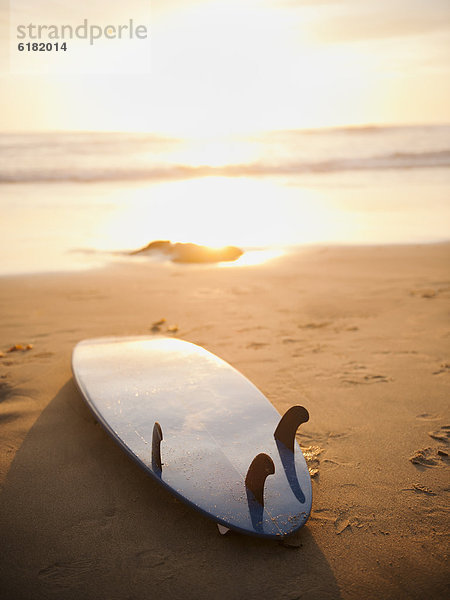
335	464
319	325
6	390
253	328
444	368
430	457
343	521
8	417
257	345
313	451
424	292
360	379
356	376
44	355
442	434
420	489
430	292
323	437
428	417
355	366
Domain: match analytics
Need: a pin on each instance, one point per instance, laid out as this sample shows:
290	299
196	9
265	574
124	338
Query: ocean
78	200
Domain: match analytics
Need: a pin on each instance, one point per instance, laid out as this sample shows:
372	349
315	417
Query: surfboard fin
288	425
262	466
156	447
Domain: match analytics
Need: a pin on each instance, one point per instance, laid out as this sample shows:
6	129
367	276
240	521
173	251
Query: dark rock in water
191	253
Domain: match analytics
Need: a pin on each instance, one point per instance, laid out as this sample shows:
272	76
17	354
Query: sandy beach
358	335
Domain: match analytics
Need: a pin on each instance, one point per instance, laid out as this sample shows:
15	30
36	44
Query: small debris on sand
311	454
16	348
158	323
156	326
20	348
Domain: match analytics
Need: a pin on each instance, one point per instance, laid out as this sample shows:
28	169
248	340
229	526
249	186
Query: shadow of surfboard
80	519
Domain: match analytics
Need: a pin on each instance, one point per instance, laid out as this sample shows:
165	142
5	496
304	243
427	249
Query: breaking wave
398	160
90	157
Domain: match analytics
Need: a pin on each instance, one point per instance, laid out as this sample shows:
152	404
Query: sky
234	66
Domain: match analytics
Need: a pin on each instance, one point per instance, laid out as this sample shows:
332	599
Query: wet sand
360	336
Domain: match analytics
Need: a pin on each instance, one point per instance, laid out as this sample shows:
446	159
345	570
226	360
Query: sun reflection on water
216	212
252	258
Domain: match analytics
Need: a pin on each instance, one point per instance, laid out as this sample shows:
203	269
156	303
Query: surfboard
201	429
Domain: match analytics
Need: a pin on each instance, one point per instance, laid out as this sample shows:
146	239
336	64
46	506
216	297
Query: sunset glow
221	67
255	123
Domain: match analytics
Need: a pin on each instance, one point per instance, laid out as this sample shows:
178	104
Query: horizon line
167	135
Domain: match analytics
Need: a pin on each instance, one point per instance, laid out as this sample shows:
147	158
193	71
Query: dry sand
360	336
